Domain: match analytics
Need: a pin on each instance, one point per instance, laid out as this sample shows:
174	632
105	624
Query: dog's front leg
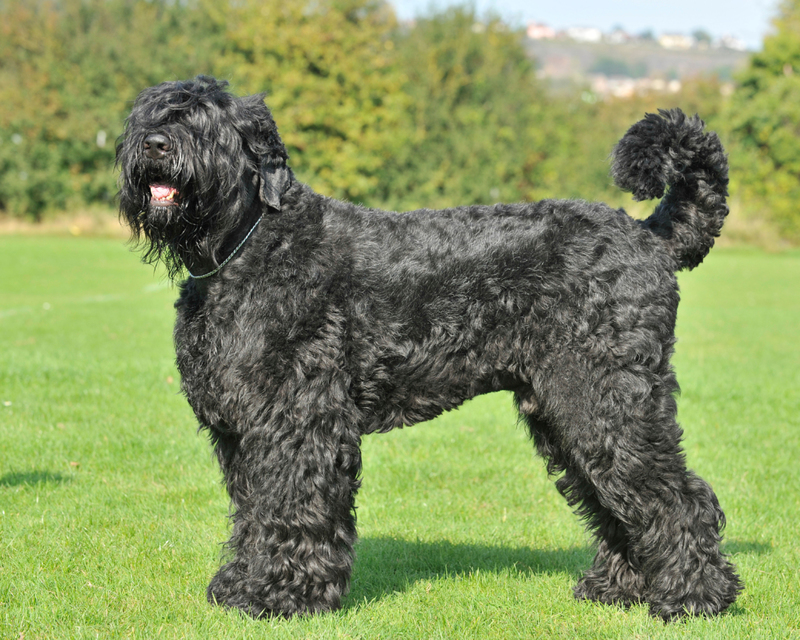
292	488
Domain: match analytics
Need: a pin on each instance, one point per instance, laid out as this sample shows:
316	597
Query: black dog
307	323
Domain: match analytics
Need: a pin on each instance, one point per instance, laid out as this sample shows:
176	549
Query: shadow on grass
745	547
32	478
388	565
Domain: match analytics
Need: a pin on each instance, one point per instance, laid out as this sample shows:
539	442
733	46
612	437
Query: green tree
328	68
69	70
475	106
765	116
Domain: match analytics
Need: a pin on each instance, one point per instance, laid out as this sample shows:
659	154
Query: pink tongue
161	192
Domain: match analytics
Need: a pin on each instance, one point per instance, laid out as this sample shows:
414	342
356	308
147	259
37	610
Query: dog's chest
219	355
238	352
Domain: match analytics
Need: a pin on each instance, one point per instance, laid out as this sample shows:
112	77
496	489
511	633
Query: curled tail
670	150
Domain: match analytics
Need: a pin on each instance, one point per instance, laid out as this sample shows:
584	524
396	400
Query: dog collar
233	253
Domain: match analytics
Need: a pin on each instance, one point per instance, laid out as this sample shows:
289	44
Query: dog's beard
167	225
175	224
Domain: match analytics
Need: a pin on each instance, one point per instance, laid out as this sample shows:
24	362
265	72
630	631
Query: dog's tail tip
670	151
659	150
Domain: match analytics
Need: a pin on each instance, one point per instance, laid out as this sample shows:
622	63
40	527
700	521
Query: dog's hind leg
292	485
611	579
613	433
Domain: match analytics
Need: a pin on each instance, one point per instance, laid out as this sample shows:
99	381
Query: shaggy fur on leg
307	323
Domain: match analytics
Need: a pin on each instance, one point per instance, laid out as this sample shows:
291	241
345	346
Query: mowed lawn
112	512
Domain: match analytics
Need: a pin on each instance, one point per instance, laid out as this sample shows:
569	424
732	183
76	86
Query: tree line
445	111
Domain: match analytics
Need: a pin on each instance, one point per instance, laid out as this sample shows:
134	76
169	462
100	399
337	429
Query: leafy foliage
445	111
474	105
332	79
68	71
765	116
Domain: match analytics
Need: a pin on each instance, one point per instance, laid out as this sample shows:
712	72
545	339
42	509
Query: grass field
112	513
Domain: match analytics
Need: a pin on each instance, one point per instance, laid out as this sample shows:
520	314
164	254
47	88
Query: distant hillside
564	60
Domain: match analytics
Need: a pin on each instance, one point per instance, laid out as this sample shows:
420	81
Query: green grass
112	514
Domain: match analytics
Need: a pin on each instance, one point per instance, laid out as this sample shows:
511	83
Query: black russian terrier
306	323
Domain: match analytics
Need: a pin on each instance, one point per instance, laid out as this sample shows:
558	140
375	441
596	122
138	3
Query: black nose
156	146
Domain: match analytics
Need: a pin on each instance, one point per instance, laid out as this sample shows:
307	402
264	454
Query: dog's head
195	162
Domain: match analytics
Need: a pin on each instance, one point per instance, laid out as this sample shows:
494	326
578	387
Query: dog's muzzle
156	146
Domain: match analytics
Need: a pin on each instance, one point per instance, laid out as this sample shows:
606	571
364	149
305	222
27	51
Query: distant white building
538	31
585	34
604	87
729	42
677	41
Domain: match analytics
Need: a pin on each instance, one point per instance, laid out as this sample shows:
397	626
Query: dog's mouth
163	195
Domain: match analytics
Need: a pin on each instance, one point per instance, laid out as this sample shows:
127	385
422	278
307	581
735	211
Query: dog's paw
229	589
623	588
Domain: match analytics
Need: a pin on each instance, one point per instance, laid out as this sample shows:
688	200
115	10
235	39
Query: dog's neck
220	248
205	264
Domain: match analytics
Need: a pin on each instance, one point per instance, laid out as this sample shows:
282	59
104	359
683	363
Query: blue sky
747	20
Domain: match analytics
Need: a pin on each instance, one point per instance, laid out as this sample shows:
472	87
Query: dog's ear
260	133
275	179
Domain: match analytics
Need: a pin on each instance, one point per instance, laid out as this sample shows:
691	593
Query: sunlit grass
111	511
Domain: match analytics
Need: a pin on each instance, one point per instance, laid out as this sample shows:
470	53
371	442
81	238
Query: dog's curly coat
332	321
